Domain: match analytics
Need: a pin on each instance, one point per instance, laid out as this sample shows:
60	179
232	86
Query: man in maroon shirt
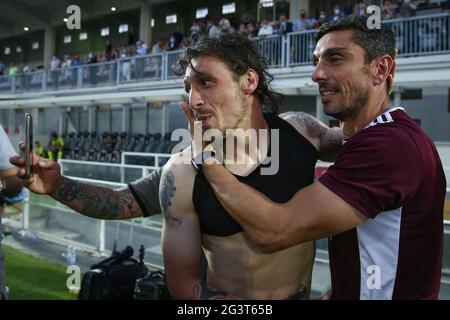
381	203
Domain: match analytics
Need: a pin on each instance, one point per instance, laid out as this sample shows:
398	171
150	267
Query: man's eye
206	83
187	89
335	59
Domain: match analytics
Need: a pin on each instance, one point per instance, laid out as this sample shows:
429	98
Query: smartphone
28	144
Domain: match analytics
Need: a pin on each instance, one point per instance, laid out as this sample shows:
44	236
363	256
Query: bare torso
236	266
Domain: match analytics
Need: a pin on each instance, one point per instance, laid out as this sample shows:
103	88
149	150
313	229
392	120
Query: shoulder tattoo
166	194
312	126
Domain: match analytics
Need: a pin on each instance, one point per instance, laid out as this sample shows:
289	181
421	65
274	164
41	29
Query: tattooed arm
328	141
181	236
97	202
92	201
103	203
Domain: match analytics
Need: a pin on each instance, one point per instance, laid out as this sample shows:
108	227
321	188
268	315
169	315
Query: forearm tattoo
203	292
330	138
166	193
97	202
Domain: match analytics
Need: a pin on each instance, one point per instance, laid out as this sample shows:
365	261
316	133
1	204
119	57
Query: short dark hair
239	54
375	42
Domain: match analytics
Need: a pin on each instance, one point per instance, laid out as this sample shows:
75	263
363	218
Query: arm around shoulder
326	140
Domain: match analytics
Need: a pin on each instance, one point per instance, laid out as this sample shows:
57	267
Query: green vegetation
32	278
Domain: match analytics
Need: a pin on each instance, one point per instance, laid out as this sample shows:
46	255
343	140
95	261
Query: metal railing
130	168
416	36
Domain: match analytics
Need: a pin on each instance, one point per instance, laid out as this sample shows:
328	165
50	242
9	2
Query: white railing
416	36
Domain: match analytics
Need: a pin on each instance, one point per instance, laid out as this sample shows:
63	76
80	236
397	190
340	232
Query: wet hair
239	54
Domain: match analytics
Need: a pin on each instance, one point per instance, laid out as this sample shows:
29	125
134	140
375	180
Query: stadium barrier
415	36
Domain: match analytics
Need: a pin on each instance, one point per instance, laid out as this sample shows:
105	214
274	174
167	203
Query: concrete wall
25	42
433	112
95	42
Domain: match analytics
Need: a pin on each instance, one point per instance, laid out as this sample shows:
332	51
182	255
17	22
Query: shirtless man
227	87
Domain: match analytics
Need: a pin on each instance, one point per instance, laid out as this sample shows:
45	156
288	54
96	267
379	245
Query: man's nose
319	73
196	99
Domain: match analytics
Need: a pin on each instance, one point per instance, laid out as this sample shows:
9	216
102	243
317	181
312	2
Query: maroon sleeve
377	170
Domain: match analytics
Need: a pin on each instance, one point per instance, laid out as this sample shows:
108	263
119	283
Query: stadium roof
15	15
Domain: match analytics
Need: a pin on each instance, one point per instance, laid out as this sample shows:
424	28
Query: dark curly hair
239	54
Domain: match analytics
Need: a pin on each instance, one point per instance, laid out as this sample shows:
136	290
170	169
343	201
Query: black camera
152	287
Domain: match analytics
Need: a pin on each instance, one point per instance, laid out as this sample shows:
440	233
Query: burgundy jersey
391	172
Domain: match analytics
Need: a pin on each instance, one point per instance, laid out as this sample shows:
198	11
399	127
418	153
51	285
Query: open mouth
327	93
203	118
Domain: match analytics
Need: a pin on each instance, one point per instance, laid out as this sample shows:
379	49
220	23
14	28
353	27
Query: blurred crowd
246	25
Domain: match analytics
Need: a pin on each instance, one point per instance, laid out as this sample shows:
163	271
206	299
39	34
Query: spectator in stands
77	62
126	65
412	7
108	50
39	149
303	23
156	60
243	30
387	12
211	28
323	18
55	146
66	65
361	10
403	9
54	70
427	4
110	143
285	25
407	8
337	13
225	26
107	144
25	76
10	186
348	8
194	31
275	27
93	68
265	29
176	39
141	52
252	30
13	70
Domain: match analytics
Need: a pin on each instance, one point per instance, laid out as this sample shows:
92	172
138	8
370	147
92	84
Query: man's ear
384	69
249	82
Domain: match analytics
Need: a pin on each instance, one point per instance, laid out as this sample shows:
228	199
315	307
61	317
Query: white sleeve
6	150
